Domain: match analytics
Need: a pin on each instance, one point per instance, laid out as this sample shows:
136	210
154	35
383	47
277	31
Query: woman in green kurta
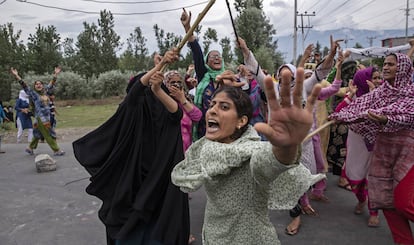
243	176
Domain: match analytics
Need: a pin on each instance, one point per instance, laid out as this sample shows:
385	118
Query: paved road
53	208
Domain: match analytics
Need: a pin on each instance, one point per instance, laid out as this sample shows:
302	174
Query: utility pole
407	13
305	27
346	39
295	32
371	39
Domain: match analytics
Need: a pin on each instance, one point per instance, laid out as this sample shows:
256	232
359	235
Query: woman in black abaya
130	159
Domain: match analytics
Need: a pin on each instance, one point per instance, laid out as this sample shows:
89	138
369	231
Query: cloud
279	4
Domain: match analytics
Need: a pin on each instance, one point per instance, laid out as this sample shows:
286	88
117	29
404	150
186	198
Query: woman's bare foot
293	228
373	221
191	239
343	183
359	208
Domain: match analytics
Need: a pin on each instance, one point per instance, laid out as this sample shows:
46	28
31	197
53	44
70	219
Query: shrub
111	83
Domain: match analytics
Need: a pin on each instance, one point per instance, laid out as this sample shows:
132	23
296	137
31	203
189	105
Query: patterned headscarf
360	80
394	101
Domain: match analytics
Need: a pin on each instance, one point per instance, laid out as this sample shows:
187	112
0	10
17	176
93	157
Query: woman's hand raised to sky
289	123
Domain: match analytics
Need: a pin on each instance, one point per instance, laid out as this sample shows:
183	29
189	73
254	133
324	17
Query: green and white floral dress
243	180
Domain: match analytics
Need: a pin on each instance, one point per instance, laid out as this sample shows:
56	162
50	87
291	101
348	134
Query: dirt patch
63	135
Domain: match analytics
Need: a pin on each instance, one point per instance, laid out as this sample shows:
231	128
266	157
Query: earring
238	127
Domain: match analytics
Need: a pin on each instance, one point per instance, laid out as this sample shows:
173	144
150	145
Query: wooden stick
193	27
232	22
327	124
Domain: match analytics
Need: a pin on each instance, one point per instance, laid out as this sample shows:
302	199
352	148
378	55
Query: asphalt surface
53	209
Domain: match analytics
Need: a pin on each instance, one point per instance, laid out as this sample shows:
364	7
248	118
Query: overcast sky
68	15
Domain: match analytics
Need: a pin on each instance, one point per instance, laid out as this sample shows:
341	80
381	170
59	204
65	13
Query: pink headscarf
396	102
360	80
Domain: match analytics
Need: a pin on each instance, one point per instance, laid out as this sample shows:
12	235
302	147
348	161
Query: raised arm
251	62
52	82
289	122
198	57
336	85
306	55
155	77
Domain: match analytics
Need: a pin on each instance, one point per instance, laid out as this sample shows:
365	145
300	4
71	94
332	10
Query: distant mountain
352	36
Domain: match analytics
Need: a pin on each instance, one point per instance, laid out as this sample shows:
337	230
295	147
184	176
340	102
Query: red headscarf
396	102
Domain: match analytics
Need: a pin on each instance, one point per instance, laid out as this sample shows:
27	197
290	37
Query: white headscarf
292	68
23	96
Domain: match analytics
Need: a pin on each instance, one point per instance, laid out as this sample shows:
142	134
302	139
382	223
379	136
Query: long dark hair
241	100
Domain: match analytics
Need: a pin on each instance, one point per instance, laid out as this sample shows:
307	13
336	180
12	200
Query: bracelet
185	102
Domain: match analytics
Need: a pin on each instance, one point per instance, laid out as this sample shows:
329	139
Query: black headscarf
130	159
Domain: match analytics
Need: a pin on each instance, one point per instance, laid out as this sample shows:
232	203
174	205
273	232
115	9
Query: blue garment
40	101
2	114
25	118
205	83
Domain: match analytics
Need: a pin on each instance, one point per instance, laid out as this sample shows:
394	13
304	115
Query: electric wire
92	12
113	2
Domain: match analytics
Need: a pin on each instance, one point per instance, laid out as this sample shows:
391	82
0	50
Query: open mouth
212	124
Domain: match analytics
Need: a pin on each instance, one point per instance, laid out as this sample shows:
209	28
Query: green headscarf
210	74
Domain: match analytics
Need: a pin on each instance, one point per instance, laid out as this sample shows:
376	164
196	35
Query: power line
113	2
90	12
323	6
335	9
313	6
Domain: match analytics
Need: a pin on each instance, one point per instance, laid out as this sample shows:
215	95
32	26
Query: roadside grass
84	115
80	113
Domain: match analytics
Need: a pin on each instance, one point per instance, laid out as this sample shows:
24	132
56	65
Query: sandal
359	208
59	153
321	198
29	151
344	184
373	221
308	210
293	231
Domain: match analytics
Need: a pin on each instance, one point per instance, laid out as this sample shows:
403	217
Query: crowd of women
243	137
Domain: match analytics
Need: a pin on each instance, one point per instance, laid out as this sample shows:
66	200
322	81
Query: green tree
44	50
97	46
227	54
12	53
88	54
255	28
69	54
135	58
240	5
358	45
209	37
165	41
109	42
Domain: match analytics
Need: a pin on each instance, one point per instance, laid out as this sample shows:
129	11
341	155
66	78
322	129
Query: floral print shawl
206	159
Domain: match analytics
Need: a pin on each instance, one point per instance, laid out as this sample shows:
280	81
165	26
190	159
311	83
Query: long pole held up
193	27
232	22
311	134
